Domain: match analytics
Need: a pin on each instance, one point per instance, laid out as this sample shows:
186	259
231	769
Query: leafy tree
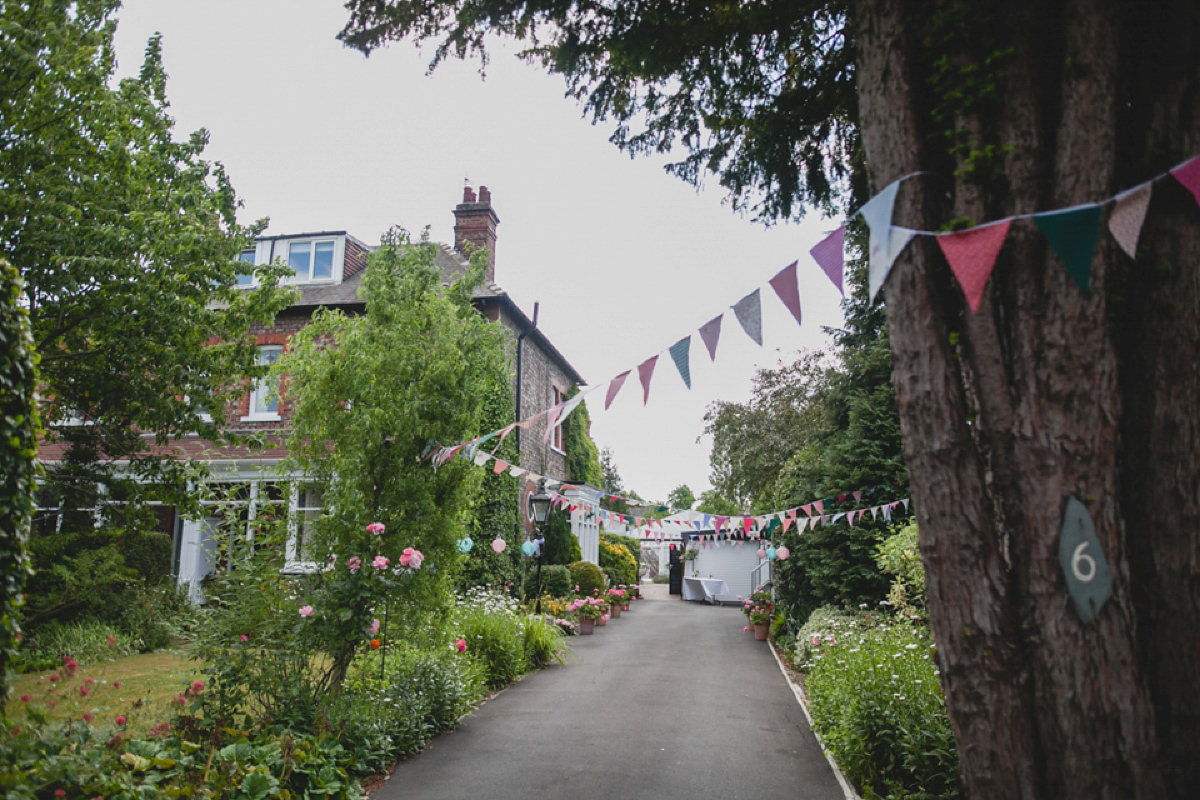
713	502
560	546
611	483
18	428
370	395
681	497
1048	392
128	246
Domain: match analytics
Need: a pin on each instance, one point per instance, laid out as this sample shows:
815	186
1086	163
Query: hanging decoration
465	544
499	545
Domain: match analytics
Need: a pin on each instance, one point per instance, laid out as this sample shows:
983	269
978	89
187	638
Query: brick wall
356	258
539	375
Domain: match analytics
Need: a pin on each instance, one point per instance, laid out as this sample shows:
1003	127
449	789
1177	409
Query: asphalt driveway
672	700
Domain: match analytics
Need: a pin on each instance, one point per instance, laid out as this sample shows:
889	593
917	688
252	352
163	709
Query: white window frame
293	564
336	258
252	252
556	436
260	393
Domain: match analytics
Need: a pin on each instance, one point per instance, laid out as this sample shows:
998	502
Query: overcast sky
624	259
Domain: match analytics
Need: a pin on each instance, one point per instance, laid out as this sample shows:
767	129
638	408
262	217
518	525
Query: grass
140	688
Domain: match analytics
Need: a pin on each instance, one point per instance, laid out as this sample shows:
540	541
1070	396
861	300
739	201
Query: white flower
910	647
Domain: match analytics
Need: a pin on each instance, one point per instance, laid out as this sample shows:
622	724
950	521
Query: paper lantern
782	553
465	544
771	553
762	553
527	548
499	545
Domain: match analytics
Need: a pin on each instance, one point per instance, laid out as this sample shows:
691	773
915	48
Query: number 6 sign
1088	577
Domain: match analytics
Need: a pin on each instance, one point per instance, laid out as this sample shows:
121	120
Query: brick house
329	267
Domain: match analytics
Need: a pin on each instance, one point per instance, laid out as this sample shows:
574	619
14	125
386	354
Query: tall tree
681	497
1048	392
128	246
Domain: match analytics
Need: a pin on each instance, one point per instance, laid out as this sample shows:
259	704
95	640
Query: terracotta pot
760	632
587	626
616	612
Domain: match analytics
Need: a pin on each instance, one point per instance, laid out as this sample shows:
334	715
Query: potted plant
616	597
590	610
760	618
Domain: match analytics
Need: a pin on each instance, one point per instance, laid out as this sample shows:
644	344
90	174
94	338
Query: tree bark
1049	392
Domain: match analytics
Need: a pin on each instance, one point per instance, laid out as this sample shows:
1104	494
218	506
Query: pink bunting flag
1128	216
500	466
614	386
787	523
858	496
551	420
819	505
504	433
972	255
710	333
807	508
1188	174
830	256
784	284
645	371
746	523
720	522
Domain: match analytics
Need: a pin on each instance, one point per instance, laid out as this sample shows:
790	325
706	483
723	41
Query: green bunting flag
1072	233
680	352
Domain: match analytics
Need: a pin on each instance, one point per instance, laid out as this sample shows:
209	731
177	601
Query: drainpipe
520	373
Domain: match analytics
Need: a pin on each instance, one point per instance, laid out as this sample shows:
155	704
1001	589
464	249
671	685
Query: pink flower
354	563
816	639
381	562
306	611
116	684
121	721
374	627
54	676
376	528
606	617
745	628
180	700
460	645
112	640
197	687
411	558
24	698
243	638
83	692
90	681
87	717
59	793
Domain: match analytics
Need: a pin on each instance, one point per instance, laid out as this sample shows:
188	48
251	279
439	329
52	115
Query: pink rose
197	687
121	721
112	640
376	528
416	559
306	611
244	638
460	645
381	562
374	627
354	563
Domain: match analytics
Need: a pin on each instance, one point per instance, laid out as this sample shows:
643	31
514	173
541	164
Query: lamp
539	508
539	504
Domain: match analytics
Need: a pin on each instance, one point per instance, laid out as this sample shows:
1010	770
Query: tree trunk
1049	392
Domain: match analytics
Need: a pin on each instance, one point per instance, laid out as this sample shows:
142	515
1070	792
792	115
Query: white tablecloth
703	589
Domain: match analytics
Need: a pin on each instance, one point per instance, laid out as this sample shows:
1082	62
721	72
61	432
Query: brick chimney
475	224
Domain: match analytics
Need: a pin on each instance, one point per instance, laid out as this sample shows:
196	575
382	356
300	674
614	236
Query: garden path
672	700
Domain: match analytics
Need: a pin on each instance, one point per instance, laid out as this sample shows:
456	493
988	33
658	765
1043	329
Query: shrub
617	563
556	581
561	546
825	622
631	545
899	556
494	635
587	576
877	705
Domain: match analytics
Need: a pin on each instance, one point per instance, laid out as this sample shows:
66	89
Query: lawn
140	688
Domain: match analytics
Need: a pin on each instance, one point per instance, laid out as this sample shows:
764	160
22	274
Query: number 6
1080	558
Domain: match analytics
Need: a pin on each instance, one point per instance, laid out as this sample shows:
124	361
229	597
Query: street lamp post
539	508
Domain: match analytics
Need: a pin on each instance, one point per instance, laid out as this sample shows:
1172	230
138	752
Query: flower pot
760	632
616	612
587	626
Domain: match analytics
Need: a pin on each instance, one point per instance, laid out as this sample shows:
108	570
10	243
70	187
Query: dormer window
311	261
246	278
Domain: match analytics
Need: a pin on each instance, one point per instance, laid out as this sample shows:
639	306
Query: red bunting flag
787	523
830	256
500	466
645	371
710	333
972	255
614	386
1188	174
784	284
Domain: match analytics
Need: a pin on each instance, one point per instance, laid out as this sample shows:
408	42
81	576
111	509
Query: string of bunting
1071	232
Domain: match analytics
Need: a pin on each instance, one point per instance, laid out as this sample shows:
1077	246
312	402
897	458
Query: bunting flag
830	256
748	311
1188	173
787	523
710	332
972	255
500	466
551	420
1127	217
504	433
857	495
614	386
680	353
819	505
785	285
883	255
645	371
883	243
1072	233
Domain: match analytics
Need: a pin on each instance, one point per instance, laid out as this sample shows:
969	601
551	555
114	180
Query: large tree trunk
1048	393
